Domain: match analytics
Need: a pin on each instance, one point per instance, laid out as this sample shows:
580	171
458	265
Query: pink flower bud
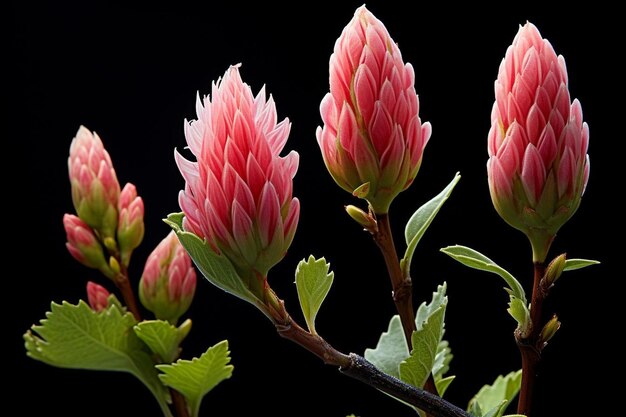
95	189
84	246
130	227
538	164
168	282
238	195
372	131
98	296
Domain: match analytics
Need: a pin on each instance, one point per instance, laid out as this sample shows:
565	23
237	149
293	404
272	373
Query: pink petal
586	169
567	173
391	159
535	123
380	128
547	146
291	221
347	128
255	177
277	138
365	92
387	97
242	227
533	174
500	184
244	197
269	214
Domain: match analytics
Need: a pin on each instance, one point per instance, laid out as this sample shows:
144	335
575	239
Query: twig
360	369
402	285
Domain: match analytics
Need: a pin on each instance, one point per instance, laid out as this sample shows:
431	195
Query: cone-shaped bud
168	282
372	131
538	164
95	189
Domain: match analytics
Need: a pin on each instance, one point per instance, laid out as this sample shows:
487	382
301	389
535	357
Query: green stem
530	347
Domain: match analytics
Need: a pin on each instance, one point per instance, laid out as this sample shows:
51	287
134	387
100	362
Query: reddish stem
530	347
180	404
123	284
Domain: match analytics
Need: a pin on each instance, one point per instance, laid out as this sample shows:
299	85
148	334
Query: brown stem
313	343
180	405
123	284
530	347
402	285
360	369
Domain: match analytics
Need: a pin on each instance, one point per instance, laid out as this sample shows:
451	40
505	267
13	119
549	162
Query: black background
131	73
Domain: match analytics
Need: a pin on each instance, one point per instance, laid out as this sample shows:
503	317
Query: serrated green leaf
75	336
162	337
421	220
573	264
195	378
496	397
430	327
390	350
217	269
519	311
442	384
442	359
441	366
477	260
313	281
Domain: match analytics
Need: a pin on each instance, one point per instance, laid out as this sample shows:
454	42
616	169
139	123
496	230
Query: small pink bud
84	246
98	296
168	282
95	189
538	164
130	227
372	131
238	194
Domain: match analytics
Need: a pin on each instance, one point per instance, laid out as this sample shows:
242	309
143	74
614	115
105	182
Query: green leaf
442	359
496	397
75	336
195	378
313	281
162	338
442	384
573	264
441	366
519	311
477	260
390	350
421	219
498	410
430	327
217	269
